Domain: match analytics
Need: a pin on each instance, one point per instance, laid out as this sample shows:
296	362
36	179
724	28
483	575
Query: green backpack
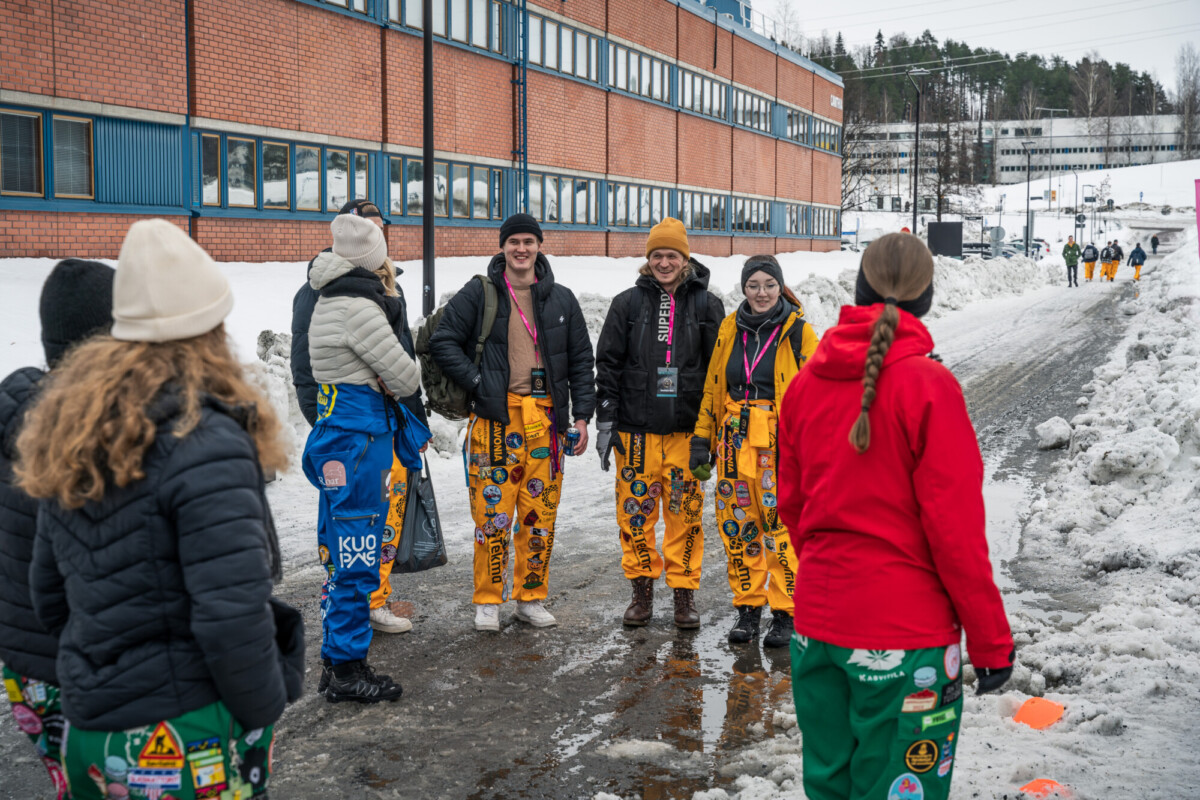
442	394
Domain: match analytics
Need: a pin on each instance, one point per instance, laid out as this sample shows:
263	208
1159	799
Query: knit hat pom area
519	223
359	241
166	287
76	303
668	235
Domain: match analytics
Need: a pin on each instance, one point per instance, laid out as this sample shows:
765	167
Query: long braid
881	341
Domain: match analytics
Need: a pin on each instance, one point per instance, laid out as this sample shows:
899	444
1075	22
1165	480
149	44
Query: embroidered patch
333	474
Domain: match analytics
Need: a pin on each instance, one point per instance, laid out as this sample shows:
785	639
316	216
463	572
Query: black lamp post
913	75
1028	145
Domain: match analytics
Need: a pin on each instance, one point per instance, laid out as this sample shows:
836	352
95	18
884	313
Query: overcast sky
1146	34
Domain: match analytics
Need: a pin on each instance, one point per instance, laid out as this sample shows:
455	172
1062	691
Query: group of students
847	472
1109	257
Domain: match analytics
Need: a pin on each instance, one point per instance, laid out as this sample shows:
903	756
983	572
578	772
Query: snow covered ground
1121	510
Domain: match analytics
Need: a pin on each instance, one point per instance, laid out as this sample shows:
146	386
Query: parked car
849	245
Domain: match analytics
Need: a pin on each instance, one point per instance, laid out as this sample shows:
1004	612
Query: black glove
606	441
990	680
700	458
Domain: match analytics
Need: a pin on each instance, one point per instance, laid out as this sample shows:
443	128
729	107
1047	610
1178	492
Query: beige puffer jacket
350	340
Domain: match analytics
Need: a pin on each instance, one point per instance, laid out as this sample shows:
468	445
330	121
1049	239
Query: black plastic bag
421	546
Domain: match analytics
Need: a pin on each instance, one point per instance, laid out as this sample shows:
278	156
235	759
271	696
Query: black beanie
519	223
361	208
865	295
76	302
766	264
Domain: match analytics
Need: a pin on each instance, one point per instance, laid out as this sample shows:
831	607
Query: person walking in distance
1137	257
1118	255
760	348
881	486
360	365
651	359
1105	261
1090	255
536	375
381	616
76	303
1154	244
155	553
1070	255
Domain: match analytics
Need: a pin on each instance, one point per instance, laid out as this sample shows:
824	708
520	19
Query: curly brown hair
899	267
91	425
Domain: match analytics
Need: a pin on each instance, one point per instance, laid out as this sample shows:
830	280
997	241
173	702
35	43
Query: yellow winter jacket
716	388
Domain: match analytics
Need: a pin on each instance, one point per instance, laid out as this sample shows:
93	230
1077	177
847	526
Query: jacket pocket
634	398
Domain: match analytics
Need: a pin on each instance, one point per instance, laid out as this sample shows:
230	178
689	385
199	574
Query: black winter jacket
562	339
632	347
26	647
1137	257
161	592
1090	253
302	378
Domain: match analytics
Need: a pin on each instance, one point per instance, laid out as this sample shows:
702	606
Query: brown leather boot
641	608
686	616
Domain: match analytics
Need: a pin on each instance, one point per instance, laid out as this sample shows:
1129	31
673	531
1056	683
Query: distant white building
996	155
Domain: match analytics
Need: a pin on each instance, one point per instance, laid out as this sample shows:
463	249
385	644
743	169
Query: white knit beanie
166	287
358	241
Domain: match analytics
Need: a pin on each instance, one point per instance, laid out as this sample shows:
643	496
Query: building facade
249	124
996	155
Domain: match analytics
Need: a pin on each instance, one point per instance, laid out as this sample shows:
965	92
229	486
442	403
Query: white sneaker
382	619
487	617
532	612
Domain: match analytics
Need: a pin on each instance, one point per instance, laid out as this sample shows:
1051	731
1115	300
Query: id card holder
744	420
537	382
667	384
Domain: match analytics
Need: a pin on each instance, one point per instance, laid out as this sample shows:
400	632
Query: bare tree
1088	83
788	26
864	157
1187	99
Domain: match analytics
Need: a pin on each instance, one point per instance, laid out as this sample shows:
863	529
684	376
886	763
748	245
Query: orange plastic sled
1042	787
1039	713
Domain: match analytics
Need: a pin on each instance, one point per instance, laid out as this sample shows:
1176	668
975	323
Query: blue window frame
751	110
750	215
478	23
701	94
703	211
634	205
460	191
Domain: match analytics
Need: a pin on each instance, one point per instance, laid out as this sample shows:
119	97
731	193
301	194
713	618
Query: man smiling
651	360
534	378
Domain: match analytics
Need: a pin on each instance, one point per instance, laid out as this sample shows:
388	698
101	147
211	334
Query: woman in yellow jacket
760	348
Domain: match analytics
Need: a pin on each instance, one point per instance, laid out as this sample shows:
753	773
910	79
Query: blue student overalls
348	458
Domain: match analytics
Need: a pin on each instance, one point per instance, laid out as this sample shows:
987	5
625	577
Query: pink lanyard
532	331
746	362
670	327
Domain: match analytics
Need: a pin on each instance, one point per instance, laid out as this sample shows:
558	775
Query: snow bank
1053	433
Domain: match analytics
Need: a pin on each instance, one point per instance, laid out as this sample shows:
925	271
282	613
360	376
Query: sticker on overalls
499	475
497	451
906	787
952	691
768	500
655	489
730	528
753	549
764	459
627	474
940	718
333	474
492	495
637	452
919	702
514	440
630	506
952	661
749	532
516	473
725	489
536	545
500	521
162	751
742	490
648	505
540	452
531	518
638	488
921	756
637	521
535	487
925	677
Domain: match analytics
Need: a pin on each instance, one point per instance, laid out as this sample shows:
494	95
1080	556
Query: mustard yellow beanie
669	235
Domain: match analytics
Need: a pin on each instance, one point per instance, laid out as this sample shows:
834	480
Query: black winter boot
746	627
641	608
326	671
357	682
780	632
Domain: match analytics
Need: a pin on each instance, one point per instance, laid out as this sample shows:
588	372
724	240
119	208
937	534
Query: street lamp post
913	75
1050	167
1028	145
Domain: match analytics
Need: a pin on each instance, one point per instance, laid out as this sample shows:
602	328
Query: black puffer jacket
302	378
25	645
632	347
161	592
562	339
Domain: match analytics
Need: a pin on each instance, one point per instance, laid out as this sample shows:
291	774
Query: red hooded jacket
890	544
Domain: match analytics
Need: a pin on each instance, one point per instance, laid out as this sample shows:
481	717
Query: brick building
249	124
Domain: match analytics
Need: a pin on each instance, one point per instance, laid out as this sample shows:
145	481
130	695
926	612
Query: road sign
1080	220
997	233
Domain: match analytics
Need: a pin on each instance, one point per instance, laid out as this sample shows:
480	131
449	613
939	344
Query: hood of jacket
541	271
17	393
842	354
327	267
698	277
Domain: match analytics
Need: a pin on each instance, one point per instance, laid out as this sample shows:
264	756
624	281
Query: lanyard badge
538	383
667	383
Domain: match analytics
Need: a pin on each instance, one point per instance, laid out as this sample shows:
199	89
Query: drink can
572	440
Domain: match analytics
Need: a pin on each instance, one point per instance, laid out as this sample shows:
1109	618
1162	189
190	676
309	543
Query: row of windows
825	222
460	191
21	159
1129	148
562	199
751	110
631	205
561	48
